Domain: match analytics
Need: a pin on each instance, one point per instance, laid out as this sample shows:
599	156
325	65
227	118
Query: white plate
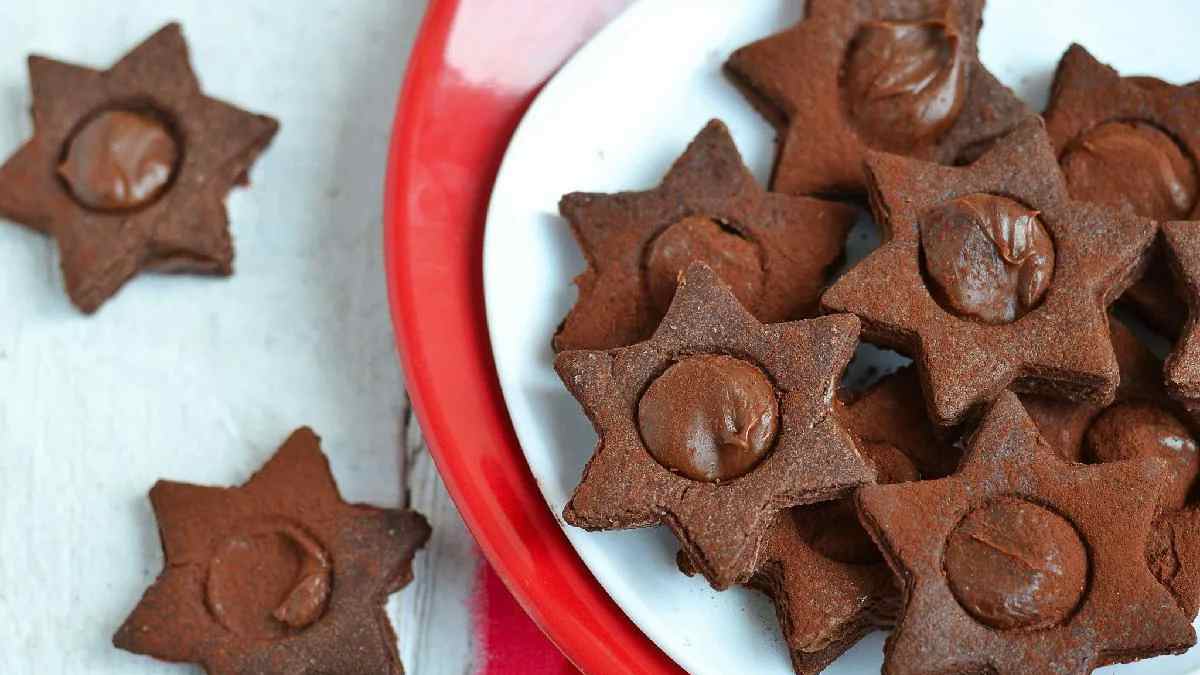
614	119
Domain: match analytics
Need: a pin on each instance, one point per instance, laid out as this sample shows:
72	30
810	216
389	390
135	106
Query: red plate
476	66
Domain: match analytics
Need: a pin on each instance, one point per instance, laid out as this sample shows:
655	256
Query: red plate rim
448	139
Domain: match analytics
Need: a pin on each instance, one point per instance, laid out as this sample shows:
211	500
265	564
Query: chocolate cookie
773	250
1174	554
990	277
128	168
1022	562
1183	365
894	75
826	577
714	425
279	575
1131	143
1142	422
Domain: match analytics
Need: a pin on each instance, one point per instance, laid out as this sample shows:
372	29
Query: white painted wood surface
198	379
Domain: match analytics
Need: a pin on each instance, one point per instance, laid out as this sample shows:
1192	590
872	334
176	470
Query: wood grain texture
198	379
436	634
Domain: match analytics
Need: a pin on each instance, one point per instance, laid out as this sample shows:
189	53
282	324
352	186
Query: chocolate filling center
697	238
711	418
986	258
904	82
1132	165
119	160
268	581
1014	564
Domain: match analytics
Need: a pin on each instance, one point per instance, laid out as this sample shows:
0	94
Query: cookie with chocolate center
826	577
128	168
773	250
895	75
277	576
1130	143
713	426
991	277
1022	562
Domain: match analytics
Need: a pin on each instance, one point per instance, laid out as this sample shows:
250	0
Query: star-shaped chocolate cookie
1143	421
774	250
1131	143
1022	562
128	168
894	75
827	579
714	425
279	575
990	277
1182	241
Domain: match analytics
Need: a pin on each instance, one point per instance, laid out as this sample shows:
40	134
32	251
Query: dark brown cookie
714	425
1132	143
1182	249
894	75
1142	422
279	575
960	285
773	250
128	168
826	577
1174	554
1022	562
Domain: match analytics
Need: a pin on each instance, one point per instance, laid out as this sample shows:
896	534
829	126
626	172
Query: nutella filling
710	418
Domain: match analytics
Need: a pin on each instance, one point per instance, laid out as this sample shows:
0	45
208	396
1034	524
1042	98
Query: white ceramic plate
614	119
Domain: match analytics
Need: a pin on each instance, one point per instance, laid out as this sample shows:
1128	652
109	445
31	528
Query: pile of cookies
127	170
1017	500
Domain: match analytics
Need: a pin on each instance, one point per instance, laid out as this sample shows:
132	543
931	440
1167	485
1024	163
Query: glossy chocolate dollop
905	82
1133	429
1015	564
989	258
710	418
697	238
119	160
1132	165
833	529
268	582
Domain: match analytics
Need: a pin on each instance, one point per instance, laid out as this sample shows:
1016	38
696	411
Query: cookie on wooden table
277	576
128	168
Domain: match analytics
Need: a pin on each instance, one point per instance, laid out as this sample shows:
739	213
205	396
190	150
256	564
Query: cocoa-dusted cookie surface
1022	562
128	168
990	277
1132	143
277	576
1143	421
713	426
774	250
1182	244
1174	554
828	580
894	75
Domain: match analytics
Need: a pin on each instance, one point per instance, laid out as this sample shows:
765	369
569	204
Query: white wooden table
197	379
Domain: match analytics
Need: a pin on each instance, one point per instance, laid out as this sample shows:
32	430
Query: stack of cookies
1020	499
